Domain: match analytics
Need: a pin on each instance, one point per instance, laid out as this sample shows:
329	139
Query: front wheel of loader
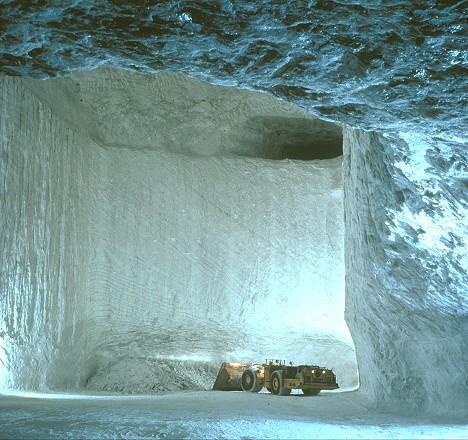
249	381
310	392
276	383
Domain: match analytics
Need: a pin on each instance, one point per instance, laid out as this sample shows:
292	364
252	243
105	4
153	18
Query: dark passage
295	138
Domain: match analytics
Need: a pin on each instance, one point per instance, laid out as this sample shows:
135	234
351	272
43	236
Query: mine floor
210	414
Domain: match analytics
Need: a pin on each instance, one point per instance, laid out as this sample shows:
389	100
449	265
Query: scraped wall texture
148	222
44	238
406	275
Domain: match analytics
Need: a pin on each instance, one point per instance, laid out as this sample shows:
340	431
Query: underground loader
276	377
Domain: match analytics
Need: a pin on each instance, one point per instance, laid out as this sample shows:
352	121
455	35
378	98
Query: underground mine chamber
168	225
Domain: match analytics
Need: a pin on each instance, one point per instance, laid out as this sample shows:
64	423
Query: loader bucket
229	377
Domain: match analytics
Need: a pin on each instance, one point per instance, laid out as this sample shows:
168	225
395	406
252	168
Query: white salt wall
44	239
134	228
406	275
214	256
143	225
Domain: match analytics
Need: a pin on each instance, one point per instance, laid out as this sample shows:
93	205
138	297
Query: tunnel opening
295	138
305	151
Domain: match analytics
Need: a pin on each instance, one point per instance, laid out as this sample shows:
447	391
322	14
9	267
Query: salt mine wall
154	226
150	231
405	282
44	239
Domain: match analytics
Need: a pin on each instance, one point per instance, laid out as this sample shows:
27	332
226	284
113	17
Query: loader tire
310	392
276	383
249	381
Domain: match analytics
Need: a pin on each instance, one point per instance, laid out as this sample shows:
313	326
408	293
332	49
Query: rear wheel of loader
249	381
310	392
276	383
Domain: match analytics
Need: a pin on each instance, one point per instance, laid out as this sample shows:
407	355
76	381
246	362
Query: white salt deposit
151	226
147	221
405	298
214	415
